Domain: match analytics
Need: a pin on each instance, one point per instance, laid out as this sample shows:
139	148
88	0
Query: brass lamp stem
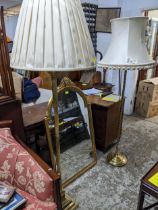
56	121
122	94
117	158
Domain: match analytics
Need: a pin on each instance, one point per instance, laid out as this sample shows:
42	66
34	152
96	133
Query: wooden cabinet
106	119
10	107
11	110
7	91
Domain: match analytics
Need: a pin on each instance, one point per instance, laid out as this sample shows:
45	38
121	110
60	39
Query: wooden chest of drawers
106	119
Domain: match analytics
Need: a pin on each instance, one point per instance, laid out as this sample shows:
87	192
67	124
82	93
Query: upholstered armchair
22	168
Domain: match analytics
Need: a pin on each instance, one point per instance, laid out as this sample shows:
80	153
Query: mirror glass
76	148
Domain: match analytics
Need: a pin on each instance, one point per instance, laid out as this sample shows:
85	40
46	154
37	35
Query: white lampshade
52	35
127	49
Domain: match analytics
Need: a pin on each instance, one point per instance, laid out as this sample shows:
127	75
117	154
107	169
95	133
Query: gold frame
67	84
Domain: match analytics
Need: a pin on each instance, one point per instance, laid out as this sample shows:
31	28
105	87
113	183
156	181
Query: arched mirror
77	147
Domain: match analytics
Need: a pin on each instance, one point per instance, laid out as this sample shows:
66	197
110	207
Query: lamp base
117	159
68	203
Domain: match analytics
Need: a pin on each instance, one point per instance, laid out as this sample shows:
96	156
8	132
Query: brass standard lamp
52	36
127	51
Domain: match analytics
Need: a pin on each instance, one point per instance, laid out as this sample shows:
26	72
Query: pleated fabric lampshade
127	48
52	35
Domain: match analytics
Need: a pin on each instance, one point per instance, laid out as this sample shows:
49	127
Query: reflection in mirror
74	134
76	145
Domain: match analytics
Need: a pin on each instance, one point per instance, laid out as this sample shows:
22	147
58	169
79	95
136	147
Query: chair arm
7	124
54	176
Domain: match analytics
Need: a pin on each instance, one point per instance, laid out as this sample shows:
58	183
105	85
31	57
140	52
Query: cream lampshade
127	51
52	36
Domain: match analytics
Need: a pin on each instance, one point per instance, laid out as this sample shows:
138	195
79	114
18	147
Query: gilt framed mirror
77	145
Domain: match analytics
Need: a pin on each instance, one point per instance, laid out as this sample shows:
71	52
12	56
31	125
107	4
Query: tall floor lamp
52	36
127	51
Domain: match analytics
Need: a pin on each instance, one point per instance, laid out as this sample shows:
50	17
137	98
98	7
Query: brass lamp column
116	158
56	122
52	36
126	52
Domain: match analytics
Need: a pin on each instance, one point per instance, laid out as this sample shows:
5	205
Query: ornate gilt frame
68	85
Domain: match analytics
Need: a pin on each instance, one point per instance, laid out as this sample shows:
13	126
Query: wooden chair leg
140	199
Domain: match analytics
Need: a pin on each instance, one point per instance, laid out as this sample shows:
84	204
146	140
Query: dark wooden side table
106	119
33	118
147	188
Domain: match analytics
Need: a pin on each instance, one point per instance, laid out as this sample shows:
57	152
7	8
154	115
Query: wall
136	7
104	38
10	25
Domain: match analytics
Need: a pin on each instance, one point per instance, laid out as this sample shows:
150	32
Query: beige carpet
110	188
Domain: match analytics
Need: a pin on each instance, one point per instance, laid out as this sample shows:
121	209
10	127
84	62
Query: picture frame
103	17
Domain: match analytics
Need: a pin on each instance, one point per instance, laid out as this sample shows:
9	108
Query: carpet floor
105	187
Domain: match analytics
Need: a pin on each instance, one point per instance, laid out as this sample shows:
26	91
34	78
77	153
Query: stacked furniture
10	107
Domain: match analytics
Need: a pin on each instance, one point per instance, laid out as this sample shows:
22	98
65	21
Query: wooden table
34	114
147	188
33	118
106	121
97	100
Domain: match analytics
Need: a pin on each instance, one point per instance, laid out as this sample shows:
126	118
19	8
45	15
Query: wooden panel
156	71
34	114
47	82
113	121
100	127
106	121
11	110
74	76
6	80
